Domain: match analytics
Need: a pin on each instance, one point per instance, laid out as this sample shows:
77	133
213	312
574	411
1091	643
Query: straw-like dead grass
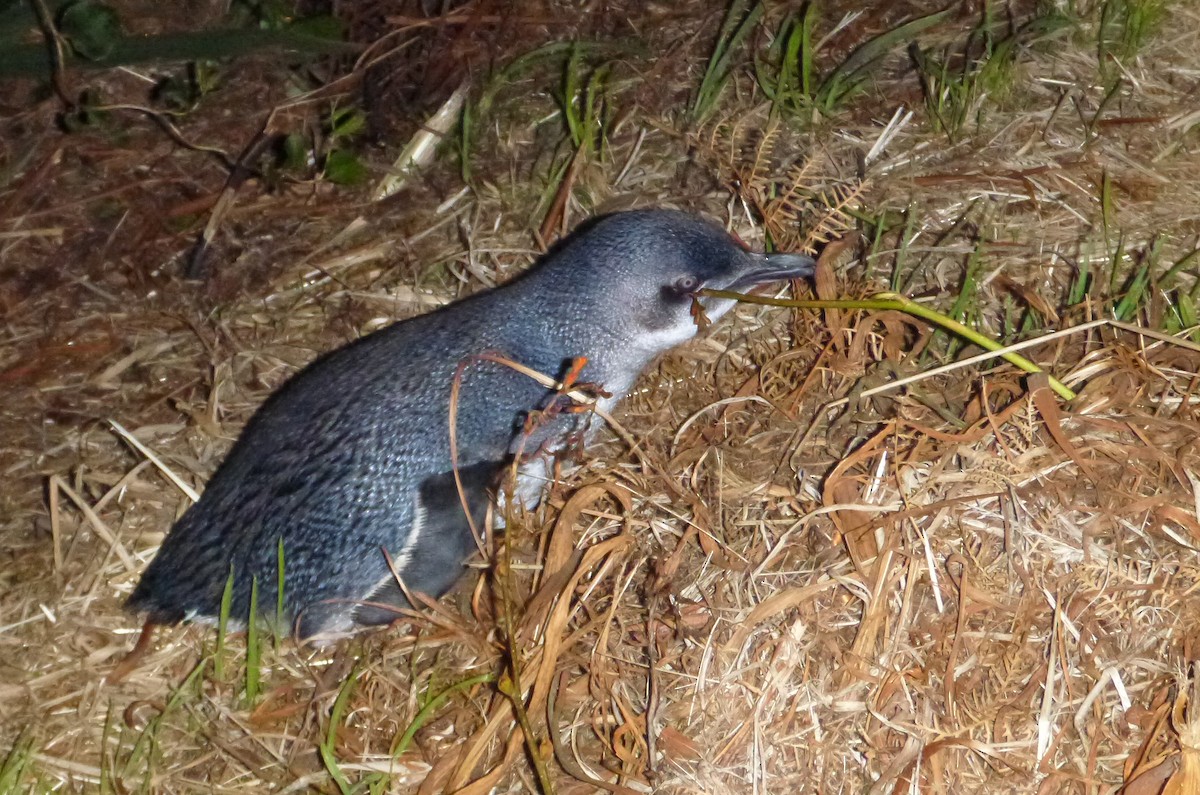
775	578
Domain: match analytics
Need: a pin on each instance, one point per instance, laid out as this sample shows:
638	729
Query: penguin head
648	266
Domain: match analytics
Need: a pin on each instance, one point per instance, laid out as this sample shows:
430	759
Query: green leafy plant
432	705
788	74
1123	30
958	82
95	39
17	766
966	304
144	755
740	19
342	164
1182	316
583	102
93	30
580	98
1137	288
956	94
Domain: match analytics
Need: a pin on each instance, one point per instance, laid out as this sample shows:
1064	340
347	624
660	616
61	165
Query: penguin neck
560	325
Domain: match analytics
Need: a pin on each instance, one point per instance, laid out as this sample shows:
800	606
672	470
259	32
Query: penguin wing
440	542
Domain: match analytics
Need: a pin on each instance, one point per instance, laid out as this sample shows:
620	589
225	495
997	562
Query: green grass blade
716	75
1128	304
1185	312
571	97
328	746
736	9
223	627
253	650
965	302
12	771
1139	286
402	741
1115	257
837	83
1167	278
1107	206
788	76
146	745
592	126
906	236
806	50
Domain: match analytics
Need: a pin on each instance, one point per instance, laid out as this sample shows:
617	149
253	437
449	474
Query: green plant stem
896	302
402	742
511	689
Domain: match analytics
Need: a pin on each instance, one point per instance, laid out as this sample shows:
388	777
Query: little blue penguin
349	463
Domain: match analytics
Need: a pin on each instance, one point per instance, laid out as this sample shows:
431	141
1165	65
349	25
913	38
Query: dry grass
770	582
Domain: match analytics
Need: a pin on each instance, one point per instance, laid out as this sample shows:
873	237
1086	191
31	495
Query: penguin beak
767	268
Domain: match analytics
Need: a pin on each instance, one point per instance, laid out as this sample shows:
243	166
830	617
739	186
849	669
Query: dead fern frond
721	145
755	176
800	186
742	152
746	158
832	217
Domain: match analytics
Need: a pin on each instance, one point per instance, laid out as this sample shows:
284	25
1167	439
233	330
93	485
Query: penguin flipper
440	541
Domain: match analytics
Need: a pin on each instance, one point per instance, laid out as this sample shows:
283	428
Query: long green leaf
896	302
253	649
875	48
732	34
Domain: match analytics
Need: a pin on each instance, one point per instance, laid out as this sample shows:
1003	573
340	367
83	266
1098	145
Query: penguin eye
686	285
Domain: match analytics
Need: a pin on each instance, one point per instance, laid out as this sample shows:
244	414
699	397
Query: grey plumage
351	457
